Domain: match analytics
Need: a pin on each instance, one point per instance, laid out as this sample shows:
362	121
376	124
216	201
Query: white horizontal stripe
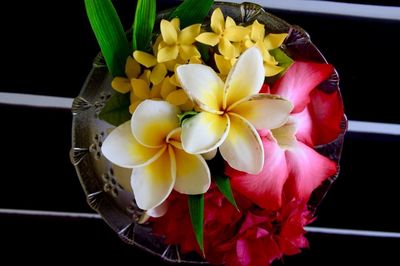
51	213
35	100
351	232
372	127
66	103
332	8
311	229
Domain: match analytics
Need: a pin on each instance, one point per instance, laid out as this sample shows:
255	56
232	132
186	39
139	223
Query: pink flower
264	237
292	168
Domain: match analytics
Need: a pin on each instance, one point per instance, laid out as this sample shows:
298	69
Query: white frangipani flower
150	143
232	112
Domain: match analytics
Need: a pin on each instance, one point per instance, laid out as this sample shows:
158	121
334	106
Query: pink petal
251	252
307	170
299	80
327	114
265	188
304	127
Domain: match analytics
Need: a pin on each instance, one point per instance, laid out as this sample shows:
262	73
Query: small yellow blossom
176	42
224	33
132	70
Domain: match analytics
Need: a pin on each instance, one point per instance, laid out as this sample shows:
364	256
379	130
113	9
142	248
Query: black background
47	48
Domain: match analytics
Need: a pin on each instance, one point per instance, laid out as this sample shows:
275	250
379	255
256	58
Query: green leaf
143	25
224	185
203	49
196	210
284	60
186	115
109	34
192	11
116	110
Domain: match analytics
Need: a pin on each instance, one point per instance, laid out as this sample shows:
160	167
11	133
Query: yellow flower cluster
148	74
152	76
232	40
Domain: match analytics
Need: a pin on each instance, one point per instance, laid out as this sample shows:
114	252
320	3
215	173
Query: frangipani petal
210	155
158	211
168	32
122	149
123	176
285	135
308	169
188	35
263	111
153	120
217	21
299	80
208	38
167	53
203	85
153	183
204	132
245	78
192	173
265	188
145	59
242	148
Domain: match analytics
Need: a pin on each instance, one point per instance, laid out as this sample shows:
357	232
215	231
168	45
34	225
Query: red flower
220	224
290	159
264	237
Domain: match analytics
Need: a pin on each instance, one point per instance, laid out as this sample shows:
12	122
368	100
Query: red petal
265	88
265	188
256	252
308	169
299	80
327	114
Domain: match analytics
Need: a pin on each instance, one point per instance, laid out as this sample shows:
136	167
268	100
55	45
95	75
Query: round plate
108	193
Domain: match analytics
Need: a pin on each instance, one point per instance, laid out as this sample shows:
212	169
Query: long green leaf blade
116	110
109	33
196	210
224	185
192	11
143	25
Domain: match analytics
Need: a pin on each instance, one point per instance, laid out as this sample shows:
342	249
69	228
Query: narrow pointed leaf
224	185
143	25
192	11
196	210
116	110
109	33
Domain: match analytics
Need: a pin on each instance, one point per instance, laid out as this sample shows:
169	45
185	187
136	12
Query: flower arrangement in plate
212	135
